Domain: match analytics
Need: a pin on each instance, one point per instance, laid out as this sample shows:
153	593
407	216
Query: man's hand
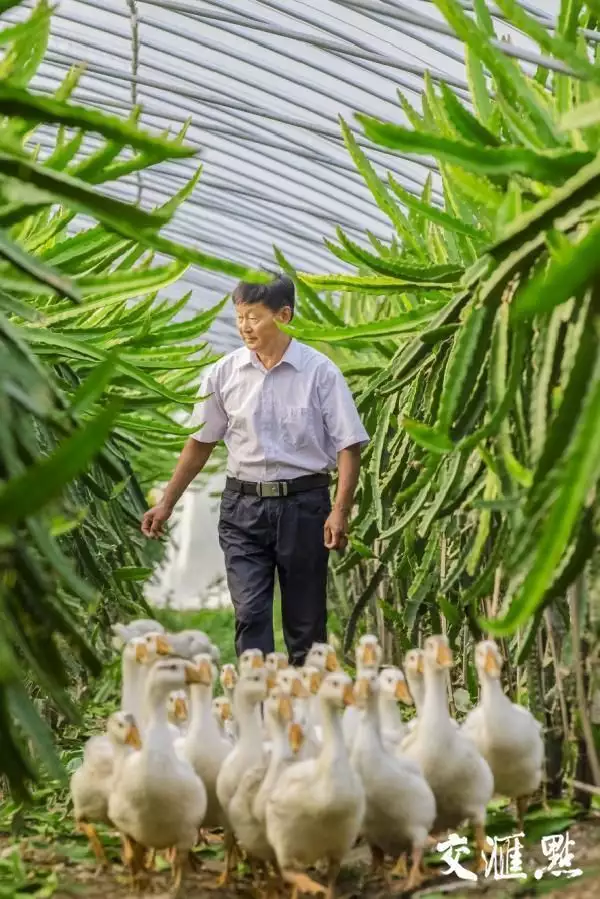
336	527
153	520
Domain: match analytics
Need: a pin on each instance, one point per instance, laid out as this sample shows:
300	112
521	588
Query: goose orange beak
361	689
163	647
369	657
206	673
296	737
226	712
257	662
180	709
315	683
299	691
229	679
271	680
491	666
444	655
348	695
285	708
331	662
402	693
195	675
133	737
141	653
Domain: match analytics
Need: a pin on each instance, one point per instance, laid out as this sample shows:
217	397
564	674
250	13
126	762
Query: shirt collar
292	356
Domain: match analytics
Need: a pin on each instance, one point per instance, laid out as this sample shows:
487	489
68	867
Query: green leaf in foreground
93	386
132	573
579	473
427	437
372	283
581	116
40	271
31	184
23	104
566	274
552	166
433	213
28	493
387	327
24	712
394	269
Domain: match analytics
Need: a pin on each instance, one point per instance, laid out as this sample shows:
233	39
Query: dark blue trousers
263	535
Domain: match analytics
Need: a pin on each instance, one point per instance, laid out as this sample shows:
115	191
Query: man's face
258	325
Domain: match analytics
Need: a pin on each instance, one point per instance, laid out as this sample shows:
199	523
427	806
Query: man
287	418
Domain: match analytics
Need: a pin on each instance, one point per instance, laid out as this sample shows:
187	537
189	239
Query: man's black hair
275	295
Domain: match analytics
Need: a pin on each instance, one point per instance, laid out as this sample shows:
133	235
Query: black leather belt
278	488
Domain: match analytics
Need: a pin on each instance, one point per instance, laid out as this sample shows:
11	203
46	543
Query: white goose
123	633
149	650
274	662
400	805
414	668
132	694
203	746
92	782
177	711
158	801
247	807
251	659
190	642
414	671
368	655
506	734
392	690
323	657
291	681
223	715
316	808
228	678
308	711
250	691
459	776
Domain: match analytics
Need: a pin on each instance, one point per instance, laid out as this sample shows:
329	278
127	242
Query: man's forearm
348	472
192	460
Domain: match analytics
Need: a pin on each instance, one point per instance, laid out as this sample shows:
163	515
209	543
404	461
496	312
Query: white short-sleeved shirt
280	423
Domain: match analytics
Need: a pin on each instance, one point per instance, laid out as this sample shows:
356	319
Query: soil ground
65	877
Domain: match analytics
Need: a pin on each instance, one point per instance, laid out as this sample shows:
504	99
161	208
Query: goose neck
131	674
389	713
435	702
334	747
491	690
248	717
157	734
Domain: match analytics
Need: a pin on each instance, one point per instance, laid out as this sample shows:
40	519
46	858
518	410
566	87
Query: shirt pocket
296	427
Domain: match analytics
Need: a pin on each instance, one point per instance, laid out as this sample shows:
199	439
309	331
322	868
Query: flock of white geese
295	765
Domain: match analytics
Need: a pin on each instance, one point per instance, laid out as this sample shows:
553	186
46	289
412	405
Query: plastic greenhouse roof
264	82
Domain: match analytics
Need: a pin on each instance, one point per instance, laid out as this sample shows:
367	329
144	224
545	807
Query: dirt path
57	871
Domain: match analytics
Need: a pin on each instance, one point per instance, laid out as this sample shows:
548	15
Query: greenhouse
300	457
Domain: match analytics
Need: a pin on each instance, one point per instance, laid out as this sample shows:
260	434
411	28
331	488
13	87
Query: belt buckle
272	488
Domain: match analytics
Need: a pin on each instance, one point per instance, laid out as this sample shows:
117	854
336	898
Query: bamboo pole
564	713
585	788
574	594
